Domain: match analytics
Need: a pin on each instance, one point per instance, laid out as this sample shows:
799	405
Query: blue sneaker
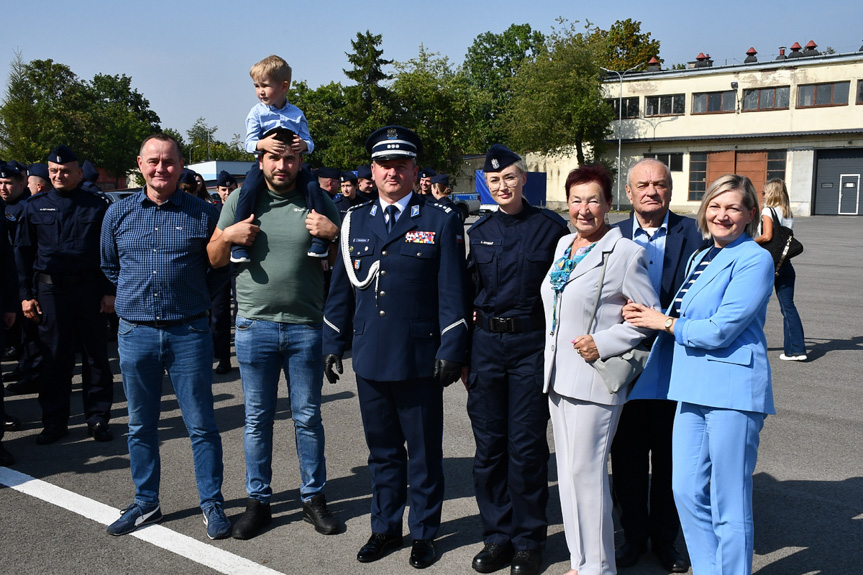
239	255
320	248
218	526
134	516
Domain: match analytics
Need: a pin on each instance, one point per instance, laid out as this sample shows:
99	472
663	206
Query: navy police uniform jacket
412	309
59	234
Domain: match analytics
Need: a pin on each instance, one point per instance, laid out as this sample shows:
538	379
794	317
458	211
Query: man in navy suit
399	279
643	439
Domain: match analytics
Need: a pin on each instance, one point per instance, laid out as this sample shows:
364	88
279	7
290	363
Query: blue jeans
184	351
792	326
264	349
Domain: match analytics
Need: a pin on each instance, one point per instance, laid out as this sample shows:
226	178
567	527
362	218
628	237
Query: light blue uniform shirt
655	246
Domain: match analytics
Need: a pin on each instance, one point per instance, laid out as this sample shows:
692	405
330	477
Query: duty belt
513	324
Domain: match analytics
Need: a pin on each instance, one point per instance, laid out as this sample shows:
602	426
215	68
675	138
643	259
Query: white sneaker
784	357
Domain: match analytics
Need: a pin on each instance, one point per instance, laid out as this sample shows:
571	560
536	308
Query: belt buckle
501	324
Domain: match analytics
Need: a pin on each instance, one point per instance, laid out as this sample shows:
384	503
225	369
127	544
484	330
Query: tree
556	104
491	61
434	100
626	46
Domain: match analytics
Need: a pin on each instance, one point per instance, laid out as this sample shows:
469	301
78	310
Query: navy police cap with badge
225	179
40	170
393	143
499	157
427	173
442	179
349	177
187	177
10	170
333	173
61	155
364	172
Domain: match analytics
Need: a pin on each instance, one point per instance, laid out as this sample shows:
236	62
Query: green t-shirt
281	283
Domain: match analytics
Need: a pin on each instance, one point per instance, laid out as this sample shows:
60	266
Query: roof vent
750	56
653	65
781	55
810	49
795	50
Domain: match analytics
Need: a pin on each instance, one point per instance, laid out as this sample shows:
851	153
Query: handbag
617	371
783	245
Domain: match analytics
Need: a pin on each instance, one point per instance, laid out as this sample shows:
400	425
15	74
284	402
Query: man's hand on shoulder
320	226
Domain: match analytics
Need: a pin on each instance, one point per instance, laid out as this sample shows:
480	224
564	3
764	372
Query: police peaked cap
393	143
62	155
499	157
225	179
441	179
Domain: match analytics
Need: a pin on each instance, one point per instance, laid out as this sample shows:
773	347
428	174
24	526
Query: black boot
254	518
315	512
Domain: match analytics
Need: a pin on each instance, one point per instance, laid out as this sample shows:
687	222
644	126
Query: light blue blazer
718	355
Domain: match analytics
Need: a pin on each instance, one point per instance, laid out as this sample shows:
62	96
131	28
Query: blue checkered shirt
156	255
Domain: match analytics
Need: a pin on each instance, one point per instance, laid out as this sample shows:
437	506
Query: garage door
838	176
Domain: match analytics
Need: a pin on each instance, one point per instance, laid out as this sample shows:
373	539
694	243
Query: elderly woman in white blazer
584	414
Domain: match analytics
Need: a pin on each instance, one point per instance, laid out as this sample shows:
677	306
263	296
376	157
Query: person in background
425	177
38	179
584	414
717	371
441	193
348	196
225	185
365	184
8	307
641	451
774	200
511	250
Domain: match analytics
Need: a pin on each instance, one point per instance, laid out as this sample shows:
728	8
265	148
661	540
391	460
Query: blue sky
191	58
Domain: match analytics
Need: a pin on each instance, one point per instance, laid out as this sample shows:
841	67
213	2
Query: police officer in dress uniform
397	256
440	190
511	251
58	239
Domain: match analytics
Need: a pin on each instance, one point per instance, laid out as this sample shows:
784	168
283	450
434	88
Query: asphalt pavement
808	484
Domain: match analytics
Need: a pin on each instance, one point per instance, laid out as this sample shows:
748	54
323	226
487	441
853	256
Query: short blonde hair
271	67
729	183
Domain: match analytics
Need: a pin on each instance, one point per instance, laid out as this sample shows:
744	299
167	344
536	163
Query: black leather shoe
492	557
423	553
315	512
100	431
670	558
526	562
52	433
224	367
6	458
23	387
628	553
256	516
377	546
11	423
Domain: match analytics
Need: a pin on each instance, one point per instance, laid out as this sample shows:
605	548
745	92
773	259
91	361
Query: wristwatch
668	323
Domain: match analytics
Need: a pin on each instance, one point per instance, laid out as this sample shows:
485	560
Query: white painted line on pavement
183	545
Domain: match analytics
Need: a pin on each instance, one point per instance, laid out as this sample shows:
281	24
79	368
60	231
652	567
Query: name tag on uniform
419	237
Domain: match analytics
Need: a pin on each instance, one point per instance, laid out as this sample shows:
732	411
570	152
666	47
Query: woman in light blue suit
719	374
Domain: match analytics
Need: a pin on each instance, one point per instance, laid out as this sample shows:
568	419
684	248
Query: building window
674	161
630	107
697	175
671	105
860	91
766	99
776	164
714	102
812	95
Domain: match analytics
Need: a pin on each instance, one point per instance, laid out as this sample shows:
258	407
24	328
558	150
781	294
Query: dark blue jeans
793	328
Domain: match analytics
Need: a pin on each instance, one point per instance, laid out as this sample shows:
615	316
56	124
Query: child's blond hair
271	67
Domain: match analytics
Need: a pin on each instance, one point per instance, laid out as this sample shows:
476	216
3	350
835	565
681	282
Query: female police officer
510	253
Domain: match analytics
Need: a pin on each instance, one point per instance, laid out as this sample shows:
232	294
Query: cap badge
494	163
58	160
392	134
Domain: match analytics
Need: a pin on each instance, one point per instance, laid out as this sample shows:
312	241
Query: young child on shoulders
272	126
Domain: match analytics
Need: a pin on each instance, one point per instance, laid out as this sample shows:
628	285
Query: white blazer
626	278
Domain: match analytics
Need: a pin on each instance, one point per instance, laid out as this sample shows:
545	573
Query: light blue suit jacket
719	349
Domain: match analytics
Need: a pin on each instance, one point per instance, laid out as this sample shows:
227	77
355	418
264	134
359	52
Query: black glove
332	360
446	372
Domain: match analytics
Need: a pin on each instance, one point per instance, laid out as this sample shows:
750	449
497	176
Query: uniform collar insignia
415	211
374	210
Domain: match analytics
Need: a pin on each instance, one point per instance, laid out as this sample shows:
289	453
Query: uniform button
383	293
154	271
419	254
383	272
154	249
383	313
383	253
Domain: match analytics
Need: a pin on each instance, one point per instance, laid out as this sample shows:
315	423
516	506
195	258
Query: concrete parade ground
57	499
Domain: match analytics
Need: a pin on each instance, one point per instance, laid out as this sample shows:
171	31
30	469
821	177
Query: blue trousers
791	324
714	454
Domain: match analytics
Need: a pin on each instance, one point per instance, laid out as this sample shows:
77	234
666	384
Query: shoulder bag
783	245
617	371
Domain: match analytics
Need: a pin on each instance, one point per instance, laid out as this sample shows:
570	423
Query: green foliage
203	145
46	105
626	46
556	103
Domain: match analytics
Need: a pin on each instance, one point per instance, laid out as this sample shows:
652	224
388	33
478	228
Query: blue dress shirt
655	246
